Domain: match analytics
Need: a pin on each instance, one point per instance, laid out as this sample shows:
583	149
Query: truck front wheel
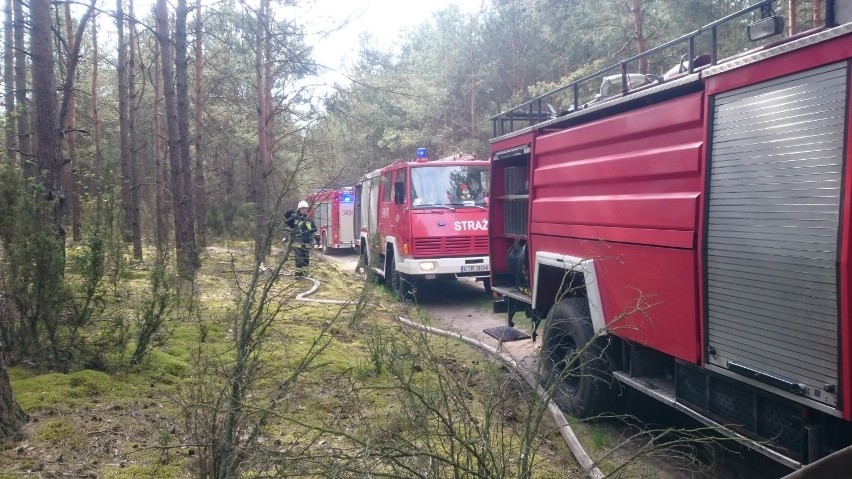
325	248
400	285
574	361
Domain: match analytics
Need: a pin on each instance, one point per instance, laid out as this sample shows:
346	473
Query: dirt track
460	306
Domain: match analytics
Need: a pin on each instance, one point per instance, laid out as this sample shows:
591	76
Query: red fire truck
689	234
424	220
334	214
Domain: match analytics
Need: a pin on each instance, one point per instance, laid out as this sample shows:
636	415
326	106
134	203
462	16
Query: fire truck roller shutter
773	213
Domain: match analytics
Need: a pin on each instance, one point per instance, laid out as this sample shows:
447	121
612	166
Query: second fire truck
423	220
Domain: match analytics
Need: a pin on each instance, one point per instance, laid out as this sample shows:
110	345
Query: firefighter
302	229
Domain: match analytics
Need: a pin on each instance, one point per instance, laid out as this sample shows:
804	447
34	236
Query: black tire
486	283
324	243
400	285
363	260
573	356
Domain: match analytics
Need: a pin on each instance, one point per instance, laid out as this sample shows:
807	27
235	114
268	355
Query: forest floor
160	418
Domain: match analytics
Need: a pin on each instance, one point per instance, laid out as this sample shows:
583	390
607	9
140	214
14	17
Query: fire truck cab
334	215
689	235
424	220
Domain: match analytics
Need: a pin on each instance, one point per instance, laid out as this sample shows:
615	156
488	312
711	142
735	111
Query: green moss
17	373
55	431
167	364
73	389
142	471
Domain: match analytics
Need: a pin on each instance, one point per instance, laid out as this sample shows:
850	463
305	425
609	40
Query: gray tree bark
9	80
123	125
639	32
96	128
200	187
179	166
133	138
161	231
794	19
28	164
263	67
47	120
11	415
70	175
182	86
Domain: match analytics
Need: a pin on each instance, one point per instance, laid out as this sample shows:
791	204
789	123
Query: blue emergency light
347	198
422	153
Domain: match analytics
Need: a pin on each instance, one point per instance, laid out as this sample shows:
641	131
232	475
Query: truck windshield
451	185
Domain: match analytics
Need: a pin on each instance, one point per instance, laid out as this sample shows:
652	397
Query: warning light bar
422	154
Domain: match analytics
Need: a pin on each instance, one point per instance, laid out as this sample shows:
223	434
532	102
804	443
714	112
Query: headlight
427	266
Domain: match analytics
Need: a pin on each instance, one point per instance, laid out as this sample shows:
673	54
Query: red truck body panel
639	194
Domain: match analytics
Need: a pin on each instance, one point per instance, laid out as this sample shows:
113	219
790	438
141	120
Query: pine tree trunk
182	86
44	97
251	176
161	231
9	81
228	171
123	126
639	32
71	138
817	9
28	165
132	138
11	415
181	204
264	120
97	187
793	14
200	187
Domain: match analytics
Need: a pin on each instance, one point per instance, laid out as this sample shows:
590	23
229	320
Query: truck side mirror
399	193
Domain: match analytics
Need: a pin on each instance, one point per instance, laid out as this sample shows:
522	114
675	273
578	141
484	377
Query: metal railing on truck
538	110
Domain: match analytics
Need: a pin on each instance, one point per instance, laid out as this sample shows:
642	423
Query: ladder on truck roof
541	109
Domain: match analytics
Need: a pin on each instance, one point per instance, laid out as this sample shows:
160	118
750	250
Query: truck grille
451	246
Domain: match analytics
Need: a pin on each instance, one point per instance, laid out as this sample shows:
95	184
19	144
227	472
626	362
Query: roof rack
539	110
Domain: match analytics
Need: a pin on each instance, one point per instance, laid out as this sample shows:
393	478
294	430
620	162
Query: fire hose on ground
556	414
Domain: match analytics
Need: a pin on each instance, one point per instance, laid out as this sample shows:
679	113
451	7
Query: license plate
473	268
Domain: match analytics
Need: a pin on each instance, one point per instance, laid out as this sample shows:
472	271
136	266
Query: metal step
512	292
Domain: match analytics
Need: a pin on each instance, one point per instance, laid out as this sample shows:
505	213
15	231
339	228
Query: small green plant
153	313
378	350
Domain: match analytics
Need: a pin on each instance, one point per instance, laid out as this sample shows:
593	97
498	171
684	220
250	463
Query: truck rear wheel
574	361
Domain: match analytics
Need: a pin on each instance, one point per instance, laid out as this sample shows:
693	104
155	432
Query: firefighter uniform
302	228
